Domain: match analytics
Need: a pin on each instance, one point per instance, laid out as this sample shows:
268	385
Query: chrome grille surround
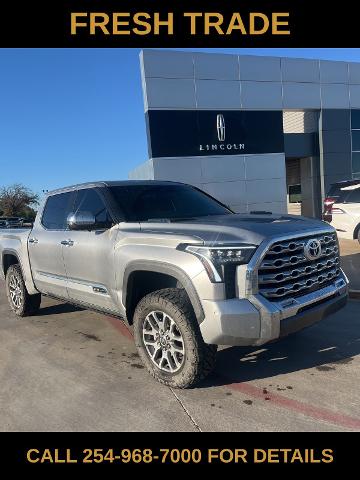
285	272
274	311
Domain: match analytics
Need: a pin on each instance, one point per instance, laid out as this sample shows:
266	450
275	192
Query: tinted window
355	118
355	140
149	202
354	196
88	200
342	196
56	210
337	191
356	162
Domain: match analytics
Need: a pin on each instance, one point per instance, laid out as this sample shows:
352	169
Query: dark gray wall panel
335	119
301	144
338	164
336	141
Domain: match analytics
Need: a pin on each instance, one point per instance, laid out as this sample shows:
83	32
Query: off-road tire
199	358
30	304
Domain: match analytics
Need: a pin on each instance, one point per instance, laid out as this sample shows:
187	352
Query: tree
18	201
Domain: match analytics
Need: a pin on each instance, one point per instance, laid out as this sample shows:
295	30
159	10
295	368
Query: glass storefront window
294	192
355	118
356	164
355	140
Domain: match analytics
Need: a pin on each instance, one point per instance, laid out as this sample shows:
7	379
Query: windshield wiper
184	219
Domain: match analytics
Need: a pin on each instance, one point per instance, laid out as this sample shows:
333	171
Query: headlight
215	259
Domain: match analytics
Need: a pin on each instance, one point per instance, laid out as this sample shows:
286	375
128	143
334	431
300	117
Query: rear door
89	257
45	247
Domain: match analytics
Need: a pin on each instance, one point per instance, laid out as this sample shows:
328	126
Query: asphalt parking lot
350	262
68	369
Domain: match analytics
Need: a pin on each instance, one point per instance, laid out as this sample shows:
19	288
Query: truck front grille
286	272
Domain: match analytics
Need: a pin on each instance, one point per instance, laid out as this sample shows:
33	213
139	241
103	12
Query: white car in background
342	208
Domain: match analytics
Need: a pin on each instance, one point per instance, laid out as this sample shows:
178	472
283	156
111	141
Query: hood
237	228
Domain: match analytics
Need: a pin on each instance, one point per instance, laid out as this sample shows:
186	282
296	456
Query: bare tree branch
16	200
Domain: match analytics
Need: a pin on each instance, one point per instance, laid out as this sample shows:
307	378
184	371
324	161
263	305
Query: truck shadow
325	347
57	309
351	266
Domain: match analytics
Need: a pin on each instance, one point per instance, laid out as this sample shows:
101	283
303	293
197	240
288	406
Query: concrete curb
354	294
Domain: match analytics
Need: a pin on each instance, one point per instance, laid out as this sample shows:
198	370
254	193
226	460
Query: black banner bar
211	23
228	452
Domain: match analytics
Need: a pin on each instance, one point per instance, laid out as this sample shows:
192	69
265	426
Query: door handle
68	243
33	240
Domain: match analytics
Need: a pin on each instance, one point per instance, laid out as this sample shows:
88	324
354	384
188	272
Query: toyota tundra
184	271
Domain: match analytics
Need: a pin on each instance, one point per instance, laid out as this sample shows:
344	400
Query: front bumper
255	320
315	314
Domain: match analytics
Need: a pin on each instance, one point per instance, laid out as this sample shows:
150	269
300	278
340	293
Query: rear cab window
56	211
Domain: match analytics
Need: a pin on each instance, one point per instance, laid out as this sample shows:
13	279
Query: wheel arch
168	275
9	257
356	232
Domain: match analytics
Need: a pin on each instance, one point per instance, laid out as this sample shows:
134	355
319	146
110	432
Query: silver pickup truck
180	267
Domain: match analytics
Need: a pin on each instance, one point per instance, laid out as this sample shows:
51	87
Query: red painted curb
308	410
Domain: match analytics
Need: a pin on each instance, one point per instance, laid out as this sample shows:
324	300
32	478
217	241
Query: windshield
141	203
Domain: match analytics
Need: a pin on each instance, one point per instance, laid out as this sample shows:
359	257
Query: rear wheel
19	299
169	341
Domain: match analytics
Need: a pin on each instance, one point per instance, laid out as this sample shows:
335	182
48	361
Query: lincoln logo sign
220	125
312	249
197	132
220	128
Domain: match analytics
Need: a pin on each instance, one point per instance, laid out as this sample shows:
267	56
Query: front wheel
169	341
19	299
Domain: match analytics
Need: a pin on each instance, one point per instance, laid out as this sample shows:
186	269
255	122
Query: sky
74	115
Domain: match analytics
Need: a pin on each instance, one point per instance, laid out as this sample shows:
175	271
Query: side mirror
81	221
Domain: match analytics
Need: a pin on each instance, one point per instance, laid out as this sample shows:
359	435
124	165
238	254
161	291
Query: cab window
88	200
56	211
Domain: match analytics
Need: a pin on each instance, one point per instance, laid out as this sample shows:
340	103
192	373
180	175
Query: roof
347	182
112	183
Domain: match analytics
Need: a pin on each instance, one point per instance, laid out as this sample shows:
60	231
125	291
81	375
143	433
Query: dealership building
258	133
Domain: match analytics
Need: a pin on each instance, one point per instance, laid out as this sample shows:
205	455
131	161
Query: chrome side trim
52	275
96	288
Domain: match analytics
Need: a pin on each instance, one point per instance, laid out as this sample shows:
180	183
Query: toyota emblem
312	249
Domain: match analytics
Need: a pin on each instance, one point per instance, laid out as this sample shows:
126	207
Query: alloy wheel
15	290
163	341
